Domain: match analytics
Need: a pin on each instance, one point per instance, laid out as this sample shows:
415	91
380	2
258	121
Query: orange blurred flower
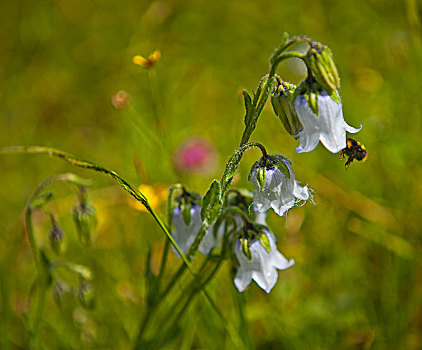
155	195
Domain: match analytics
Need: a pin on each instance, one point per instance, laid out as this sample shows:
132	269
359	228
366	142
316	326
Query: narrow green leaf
248	106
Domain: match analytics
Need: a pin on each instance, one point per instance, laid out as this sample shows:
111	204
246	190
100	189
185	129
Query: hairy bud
320	60
282	101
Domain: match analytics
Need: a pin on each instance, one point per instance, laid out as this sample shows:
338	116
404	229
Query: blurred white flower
279	191
184	234
328	126
262	268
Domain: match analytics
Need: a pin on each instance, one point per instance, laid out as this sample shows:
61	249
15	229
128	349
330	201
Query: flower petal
301	192
309	136
331	121
208	241
351	129
242	279
183	234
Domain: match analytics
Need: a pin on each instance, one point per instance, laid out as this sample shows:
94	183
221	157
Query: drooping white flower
262	268
185	234
328	126
279	189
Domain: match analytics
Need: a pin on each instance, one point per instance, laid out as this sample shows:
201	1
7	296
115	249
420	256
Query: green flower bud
282	101
85	218
56	239
320	61
86	294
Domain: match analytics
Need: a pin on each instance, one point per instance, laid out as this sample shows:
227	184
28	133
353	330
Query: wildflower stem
155	95
243	329
34	339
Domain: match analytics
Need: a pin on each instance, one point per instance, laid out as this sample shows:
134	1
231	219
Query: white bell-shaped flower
328	126
184	234
278	191
262	268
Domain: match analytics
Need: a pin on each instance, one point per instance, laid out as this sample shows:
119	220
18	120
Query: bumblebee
354	150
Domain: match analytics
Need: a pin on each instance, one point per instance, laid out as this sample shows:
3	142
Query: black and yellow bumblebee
354	150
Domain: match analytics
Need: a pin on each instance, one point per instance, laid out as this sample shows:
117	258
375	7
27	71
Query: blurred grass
357	282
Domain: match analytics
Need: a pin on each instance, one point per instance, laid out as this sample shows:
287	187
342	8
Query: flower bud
85	218
320	61
56	238
282	101
86	294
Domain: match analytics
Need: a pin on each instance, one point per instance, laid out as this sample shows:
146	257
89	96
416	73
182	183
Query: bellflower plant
226	224
275	185
262	267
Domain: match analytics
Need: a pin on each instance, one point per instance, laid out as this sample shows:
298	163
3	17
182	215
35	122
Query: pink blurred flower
195	155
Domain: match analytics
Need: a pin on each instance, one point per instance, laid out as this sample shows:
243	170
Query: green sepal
260	177
265	242
312	99
283	168
246	247
212	203
335	96
185	209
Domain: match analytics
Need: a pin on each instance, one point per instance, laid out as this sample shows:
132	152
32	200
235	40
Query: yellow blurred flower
147	62
155	195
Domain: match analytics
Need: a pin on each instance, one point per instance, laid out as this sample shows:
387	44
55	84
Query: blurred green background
357	282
